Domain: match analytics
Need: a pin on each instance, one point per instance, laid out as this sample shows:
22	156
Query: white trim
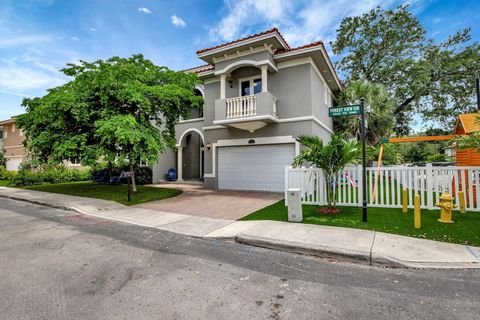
213	127
244	142
206	73
15	146
307	118
11	157
191	120
200	88
251	82
246	119
242	63
212	80
241	43
179	143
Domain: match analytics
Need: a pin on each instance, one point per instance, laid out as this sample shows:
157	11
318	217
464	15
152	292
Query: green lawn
3	183
116	193
465	230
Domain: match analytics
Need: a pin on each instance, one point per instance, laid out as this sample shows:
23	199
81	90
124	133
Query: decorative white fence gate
385	185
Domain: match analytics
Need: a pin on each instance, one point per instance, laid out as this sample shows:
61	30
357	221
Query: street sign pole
364	162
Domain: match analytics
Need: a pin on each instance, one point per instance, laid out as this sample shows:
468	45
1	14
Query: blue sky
38	37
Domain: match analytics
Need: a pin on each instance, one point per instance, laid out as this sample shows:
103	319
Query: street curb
305	249
369	258
41	203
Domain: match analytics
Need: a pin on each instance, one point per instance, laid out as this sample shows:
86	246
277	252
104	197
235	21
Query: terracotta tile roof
199	69
273	30
469	122
313	44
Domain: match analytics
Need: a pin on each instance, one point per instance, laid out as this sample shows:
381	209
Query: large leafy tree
117	108
390	47
379	106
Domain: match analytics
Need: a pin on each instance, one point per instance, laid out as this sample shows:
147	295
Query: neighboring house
260	95
1	139
15	152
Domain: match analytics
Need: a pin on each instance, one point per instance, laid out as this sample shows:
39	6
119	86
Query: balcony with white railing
248	112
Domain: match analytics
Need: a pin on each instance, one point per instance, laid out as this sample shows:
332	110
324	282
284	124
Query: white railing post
429	186
286	184
360	185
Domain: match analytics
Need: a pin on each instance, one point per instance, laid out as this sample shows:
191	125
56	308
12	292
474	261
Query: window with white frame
249	86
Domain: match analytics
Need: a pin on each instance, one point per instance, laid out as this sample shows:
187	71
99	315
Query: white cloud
300	22
74	38
144	10
178	22
20	40
93	29
14	78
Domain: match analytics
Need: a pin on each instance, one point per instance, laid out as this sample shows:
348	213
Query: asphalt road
61	265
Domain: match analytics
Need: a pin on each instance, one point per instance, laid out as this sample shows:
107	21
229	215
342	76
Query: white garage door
260	168
13	163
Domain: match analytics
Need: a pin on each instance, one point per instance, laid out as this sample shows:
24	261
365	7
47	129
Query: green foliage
439	157
389	47
379	106
331	158
3	160
117	108
6	174
392	154
47	174
143	175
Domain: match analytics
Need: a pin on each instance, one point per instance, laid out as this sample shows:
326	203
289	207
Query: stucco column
180	163
264	78
223	85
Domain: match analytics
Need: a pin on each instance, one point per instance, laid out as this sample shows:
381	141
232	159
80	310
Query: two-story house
13	137
260	95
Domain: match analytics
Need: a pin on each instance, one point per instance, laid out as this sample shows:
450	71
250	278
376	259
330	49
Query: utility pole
364	162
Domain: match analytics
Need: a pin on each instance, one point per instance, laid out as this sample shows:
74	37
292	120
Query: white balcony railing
241	107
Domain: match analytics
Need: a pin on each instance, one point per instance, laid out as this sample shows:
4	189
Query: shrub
48	174
143	175
6	175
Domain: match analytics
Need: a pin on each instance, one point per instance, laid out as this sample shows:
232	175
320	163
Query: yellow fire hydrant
446	206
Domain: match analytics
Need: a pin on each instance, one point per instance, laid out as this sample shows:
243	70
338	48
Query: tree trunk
134	186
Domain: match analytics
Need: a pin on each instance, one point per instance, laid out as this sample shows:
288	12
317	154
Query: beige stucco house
15	152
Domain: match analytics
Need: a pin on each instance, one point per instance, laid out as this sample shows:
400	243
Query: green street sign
339	111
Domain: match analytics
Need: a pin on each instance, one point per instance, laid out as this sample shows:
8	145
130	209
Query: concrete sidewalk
369	247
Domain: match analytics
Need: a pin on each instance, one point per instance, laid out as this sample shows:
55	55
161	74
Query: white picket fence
385	185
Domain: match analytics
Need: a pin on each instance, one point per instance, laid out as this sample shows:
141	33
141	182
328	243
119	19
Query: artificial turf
465	230
116	193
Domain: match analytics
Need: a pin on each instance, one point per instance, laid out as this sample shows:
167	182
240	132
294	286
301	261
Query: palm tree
379	106
331	158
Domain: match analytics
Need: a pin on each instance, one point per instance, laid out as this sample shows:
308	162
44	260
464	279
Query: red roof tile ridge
272	30
313	44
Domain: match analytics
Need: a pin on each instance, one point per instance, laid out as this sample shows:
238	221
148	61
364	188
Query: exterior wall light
208	146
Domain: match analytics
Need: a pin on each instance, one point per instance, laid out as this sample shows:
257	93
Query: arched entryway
190	156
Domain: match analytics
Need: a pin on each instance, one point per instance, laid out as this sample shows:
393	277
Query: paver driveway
222	204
